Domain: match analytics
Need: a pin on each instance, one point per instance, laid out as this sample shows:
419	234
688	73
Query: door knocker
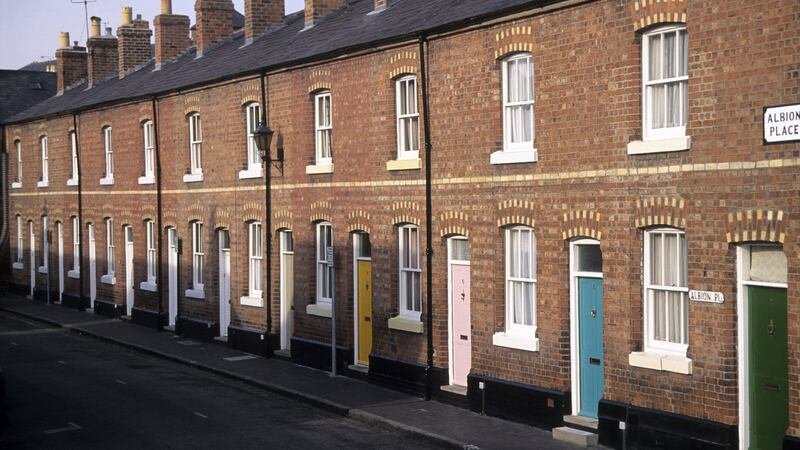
463	295
594	312
771	328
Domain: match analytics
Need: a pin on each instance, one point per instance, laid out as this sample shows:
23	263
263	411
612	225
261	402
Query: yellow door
364	311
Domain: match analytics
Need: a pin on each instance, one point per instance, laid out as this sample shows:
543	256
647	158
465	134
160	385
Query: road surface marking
189	342
200	415
26	332
62	362
71	427
15	344
120	382
239	358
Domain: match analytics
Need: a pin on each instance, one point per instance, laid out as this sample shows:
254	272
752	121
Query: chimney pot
64	40
127	11
108	31
95	27
166	7
74	43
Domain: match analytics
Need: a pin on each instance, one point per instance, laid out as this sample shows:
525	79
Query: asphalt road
64	391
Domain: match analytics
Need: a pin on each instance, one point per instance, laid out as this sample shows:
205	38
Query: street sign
706	296
782	124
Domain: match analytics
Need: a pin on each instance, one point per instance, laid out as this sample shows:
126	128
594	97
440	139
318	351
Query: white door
224	282
287	289
92	267
128	232
60	231
172	274
33	259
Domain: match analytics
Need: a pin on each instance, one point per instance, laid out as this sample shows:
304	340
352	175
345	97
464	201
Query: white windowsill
405	324
74	274
72	182
678	144
248	300
18	265
660	361
319	168
404	164
502	339
148	286
199	294
193	177
319	309
147	179
252	172
42	183
16	185
107	181
514	156
108	279
42	269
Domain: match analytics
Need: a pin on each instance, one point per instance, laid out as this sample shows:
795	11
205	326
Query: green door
768	371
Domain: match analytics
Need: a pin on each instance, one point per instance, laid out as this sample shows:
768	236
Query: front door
768	366
590	320
364	311
461	334
287	289
172	274
60	232
33	259
92	267
224	282
128	232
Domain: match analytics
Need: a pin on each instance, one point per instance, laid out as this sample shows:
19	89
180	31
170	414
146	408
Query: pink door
461	336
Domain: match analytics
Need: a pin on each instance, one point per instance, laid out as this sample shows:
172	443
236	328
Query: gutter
470	23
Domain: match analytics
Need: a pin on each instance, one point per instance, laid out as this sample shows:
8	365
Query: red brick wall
317	9
172	36
134	45
214	20
261	15
103	58
70	67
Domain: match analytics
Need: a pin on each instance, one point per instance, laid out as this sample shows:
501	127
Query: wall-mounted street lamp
263	134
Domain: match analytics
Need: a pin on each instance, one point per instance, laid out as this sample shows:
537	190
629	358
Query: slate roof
21	89
349	27
39	66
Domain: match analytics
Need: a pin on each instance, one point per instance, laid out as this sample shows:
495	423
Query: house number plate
706	296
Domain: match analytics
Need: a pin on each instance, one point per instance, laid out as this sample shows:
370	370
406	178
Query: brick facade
70	66
134	45
728	189
172	36
214	22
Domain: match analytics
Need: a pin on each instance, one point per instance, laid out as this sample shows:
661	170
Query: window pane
656	256
683	52
657	93
590	259
518	299
654	57
417	287
525	255
459	249
513	253
659	315
768	264
414	245
670	68
511	76
674	105
670	260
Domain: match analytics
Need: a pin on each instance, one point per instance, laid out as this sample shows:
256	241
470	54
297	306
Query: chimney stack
260	16
214	21
134	41
317	9
103	54
70	63
172	34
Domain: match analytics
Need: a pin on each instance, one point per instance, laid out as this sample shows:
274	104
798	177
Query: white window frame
110	261
650	343
255	259
150	242
408	269
108	152
322	263
73	142
19	263
407	149
198	256
511	327
649	133
252	117
76	249
148	139
17	183
45	246
195	144
324	128
45	162
526	147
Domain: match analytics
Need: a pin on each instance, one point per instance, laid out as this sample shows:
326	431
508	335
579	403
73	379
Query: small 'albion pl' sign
706	296
782	124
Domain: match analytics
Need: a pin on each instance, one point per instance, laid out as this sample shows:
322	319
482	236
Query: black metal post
423	42
81	269
160	230
267	158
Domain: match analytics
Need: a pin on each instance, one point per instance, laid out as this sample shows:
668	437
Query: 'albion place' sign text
782	124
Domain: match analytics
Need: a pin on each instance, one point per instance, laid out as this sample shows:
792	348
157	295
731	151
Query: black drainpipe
267	219
159	260
5	248
84	265
423	42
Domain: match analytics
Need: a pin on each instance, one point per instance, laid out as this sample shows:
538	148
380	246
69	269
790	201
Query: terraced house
580	212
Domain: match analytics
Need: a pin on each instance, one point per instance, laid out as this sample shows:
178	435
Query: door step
360	368
574	436
169	328
283	353
455	389
125	318
583	423
221	339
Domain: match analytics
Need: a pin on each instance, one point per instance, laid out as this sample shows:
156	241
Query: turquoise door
590	321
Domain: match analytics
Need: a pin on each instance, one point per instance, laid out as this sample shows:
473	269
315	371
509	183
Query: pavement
442	425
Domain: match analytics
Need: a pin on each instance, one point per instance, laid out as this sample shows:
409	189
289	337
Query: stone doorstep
221	339
360	368
284	353
125	318
584	423
575	436
455	389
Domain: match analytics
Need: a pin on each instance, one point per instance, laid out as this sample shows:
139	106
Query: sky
29	29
